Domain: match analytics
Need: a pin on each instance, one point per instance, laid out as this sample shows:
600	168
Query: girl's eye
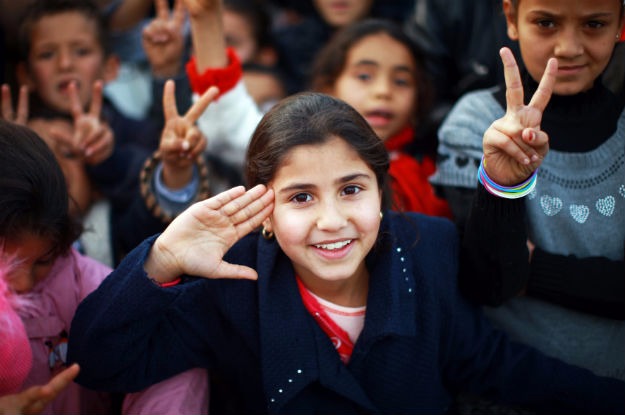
301	198
44	261
402	82
351	190
363	76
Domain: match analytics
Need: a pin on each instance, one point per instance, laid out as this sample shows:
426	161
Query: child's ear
511	19
22	74
111	68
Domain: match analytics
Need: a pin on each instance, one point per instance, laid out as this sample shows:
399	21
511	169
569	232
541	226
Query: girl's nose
382	86
330	217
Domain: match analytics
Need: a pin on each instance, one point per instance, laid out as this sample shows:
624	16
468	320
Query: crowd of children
277	229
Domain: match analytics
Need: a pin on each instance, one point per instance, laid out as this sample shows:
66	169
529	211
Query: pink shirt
47	316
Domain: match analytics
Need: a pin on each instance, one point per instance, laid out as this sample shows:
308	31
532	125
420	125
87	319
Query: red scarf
337	335
412	191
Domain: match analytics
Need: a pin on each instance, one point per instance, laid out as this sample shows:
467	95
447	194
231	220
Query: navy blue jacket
421	343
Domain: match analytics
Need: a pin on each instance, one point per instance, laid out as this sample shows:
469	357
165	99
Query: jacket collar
295	352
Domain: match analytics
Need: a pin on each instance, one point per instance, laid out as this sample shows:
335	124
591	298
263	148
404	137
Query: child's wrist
507	192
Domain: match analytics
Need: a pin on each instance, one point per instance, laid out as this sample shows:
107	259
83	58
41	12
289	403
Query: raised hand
197	7
8	112
33	400
514	145
196	241
163	39
181	140
92	139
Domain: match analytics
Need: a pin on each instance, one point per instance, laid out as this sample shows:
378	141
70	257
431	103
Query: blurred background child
37	230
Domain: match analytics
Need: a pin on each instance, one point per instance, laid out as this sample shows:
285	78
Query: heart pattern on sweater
579	212
606	205
551	205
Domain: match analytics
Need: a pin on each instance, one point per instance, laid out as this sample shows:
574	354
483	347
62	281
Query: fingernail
185	145
526	161
535	157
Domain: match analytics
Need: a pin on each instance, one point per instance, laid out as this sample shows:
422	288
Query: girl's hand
197	239
8	113
92	140
33	400
163	39
514	146
181	141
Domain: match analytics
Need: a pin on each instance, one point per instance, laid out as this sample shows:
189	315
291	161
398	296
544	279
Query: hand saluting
514	145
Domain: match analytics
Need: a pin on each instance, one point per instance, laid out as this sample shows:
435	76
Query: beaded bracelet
147	192
507	192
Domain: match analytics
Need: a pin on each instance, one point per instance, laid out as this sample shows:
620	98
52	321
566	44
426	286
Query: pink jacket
47	315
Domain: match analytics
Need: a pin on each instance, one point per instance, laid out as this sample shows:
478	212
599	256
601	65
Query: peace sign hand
8	113
92	139
514	145
163	39
195	242
181	141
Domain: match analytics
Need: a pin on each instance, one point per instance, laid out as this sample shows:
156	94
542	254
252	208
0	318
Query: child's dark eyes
595	24
44	261
351	190
546	23
301	198
363	76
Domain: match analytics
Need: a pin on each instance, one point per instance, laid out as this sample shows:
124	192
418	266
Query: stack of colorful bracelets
507	192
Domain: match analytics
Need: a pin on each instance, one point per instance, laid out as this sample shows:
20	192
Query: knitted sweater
420	345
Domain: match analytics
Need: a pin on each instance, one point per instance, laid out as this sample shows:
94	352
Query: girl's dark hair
311	118
33	191
330	61
44	8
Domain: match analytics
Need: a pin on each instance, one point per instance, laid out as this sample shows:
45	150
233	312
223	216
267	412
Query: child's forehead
66	22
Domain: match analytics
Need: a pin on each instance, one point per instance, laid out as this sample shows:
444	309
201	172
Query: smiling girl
337	306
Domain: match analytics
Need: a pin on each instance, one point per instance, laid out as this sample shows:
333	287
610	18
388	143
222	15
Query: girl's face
65	48
239	36
339	13
34	258
378	80
581	34
326	217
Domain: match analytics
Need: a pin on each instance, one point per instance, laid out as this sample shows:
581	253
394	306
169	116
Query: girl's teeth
333	246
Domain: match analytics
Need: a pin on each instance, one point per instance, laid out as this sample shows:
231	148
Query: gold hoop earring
266	234
381	215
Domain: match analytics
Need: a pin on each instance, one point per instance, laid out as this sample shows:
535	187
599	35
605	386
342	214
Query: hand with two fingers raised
163	39
6	105
514	145
92	138
196	241
181	140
